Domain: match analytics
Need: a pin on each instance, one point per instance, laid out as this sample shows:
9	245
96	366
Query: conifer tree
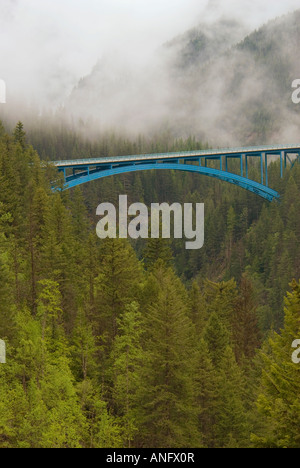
20	135
168	414
278	400
157	249
101	429
84	347
198	312
246	335
220	299
128	359
217	338
206	381
119	283
231	429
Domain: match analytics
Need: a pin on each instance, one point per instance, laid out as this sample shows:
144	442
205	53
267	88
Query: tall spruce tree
119	284
278	401
168	410
128	359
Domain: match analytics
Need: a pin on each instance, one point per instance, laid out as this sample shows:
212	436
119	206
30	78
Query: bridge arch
243	182
80	171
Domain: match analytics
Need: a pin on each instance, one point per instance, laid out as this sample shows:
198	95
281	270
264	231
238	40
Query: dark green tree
278	401
168	411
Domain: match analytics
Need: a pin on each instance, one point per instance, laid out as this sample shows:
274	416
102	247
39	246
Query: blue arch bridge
81	171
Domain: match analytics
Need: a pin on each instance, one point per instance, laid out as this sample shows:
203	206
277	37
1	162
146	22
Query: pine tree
220	299
101	429
206	380
231	429
119	284
59	255
168	414
7	297
278	400
198	312
245	323
84	347
128	359
231	222
217	338
227	411
20	135
157	249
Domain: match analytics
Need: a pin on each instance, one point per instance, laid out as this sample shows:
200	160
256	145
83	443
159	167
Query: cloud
47	46
251	12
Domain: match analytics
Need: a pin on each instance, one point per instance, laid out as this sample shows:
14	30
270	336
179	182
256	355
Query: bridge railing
84	170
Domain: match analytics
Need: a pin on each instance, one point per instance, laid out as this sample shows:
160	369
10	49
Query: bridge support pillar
281	163
262	167
266	169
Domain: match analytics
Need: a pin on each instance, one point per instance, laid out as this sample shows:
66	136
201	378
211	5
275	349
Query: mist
102	65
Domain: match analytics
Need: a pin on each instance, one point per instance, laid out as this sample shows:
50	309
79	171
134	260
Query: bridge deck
81	171
230	152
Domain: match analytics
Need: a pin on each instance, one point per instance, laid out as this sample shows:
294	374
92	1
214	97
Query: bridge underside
211	163
88	175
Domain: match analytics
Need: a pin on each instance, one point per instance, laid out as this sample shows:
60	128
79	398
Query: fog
106	62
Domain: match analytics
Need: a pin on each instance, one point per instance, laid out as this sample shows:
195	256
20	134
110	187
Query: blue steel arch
247	184
87	170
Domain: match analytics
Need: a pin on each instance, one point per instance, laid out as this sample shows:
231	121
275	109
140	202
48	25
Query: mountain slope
204	85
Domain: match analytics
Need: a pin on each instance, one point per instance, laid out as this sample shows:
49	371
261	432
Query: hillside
202	83
111	347
245	95
118	343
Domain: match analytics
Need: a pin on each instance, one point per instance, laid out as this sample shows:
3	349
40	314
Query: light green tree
278	400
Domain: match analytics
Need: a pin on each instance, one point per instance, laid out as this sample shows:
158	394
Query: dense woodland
112	343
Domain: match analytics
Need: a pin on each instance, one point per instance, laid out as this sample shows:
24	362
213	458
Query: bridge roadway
79	171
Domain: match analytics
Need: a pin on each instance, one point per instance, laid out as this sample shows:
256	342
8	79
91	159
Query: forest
141	344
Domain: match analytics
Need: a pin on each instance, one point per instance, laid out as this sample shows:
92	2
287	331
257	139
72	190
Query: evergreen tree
168	414
119	284
157	249
128	359
245	324
206	380
217	338
232	427
84	347
101	430
278	400
220	299
20	135
198	312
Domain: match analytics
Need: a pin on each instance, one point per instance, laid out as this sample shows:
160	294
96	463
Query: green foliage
20	135
111	347
128	359
278	400
167	400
